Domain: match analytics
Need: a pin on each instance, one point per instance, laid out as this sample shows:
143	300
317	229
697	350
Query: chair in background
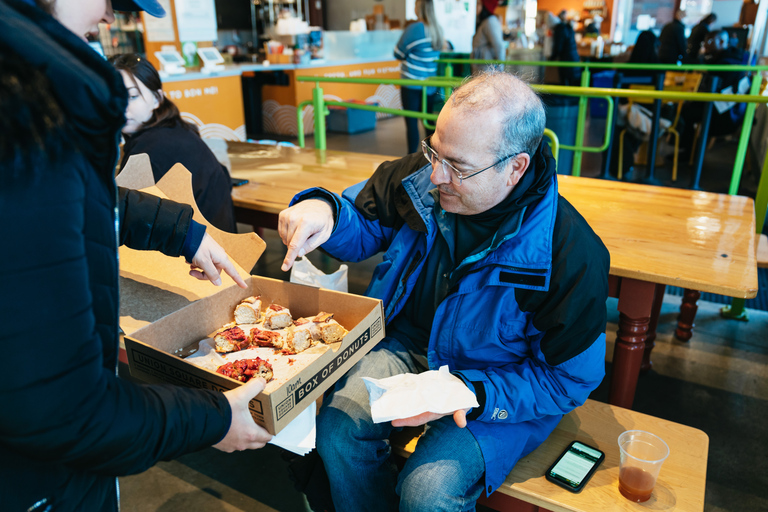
620	171
683	82
673	81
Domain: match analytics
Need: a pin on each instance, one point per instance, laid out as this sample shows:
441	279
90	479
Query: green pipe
300	121
581	121
746	129
559	89
437	82
385	110
761	199
600	65
425	122
317	98
606	138
554	142
448	74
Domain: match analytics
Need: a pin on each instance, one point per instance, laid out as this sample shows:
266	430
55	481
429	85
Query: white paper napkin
408	395
299	436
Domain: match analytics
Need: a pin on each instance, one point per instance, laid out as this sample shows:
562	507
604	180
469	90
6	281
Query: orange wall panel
214	104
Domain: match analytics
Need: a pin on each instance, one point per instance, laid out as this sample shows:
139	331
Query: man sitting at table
487	270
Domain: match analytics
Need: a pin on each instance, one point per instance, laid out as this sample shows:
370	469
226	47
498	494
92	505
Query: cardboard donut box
164	312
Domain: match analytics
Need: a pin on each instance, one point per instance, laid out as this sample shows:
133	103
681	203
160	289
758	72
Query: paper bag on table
408	395
304	272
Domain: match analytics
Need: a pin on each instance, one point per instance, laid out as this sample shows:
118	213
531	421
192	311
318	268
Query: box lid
153	285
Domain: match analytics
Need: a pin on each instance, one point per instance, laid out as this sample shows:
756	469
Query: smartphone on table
236	182
575	466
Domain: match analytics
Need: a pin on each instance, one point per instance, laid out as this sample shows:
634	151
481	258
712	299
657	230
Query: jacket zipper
411	269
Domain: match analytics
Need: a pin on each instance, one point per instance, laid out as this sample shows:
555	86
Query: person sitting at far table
154	126
486	270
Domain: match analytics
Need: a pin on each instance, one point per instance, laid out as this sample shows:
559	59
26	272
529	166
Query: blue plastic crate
350	120
598	107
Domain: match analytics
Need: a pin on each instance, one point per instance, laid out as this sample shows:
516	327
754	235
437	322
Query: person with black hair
698	35
70	425
564	49
672	44
154	126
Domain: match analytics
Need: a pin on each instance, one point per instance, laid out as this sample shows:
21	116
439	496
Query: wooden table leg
688	310
636	300
651	338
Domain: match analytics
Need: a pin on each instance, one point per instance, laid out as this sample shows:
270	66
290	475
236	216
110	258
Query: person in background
564	49
698	35
488	270
719	52
154	126
645	51
70	425
488	41
419	47
672	45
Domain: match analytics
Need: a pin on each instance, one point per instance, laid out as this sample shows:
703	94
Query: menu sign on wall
159	30
196	20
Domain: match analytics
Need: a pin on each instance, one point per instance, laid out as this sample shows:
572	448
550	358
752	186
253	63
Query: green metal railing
585	80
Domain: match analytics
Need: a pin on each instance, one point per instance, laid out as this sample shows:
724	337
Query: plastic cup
642	455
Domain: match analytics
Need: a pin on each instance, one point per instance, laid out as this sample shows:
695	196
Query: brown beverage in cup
636	484
641	457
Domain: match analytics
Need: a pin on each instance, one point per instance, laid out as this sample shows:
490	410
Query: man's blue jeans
444	473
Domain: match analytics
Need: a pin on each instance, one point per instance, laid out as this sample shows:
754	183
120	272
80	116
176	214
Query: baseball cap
151	7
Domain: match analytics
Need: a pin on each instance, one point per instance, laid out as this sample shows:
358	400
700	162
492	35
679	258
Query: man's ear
519	165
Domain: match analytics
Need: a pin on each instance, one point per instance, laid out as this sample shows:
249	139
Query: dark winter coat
672	44
167	146
564	49
69	425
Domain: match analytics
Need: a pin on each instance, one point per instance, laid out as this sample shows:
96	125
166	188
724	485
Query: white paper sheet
408	395
299	436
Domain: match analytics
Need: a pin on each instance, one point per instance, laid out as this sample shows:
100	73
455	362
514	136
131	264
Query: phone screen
575	464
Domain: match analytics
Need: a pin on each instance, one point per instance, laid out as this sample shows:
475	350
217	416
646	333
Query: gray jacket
488	42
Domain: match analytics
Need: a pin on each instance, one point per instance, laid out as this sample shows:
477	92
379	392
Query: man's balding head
520	110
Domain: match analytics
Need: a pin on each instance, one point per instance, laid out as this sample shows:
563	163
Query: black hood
87	89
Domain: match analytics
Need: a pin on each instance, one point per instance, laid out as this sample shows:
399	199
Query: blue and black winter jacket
524	326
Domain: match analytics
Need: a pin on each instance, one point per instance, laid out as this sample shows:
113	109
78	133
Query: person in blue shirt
487	270
419	48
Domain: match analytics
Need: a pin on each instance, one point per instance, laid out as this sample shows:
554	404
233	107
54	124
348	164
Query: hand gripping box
165	311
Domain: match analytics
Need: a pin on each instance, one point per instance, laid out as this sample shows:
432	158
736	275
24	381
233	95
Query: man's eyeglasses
457	176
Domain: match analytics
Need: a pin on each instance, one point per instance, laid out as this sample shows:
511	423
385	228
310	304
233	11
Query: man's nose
439	175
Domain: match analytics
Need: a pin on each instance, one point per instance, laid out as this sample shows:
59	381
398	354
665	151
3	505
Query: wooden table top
680	486
276	174
698	240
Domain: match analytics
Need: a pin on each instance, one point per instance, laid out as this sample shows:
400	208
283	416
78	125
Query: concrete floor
717	382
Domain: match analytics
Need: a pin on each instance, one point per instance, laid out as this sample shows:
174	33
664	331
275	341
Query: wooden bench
762	251
680	486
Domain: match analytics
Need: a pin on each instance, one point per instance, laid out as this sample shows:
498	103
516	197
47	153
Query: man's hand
243	433
460	417
209	259
303	228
